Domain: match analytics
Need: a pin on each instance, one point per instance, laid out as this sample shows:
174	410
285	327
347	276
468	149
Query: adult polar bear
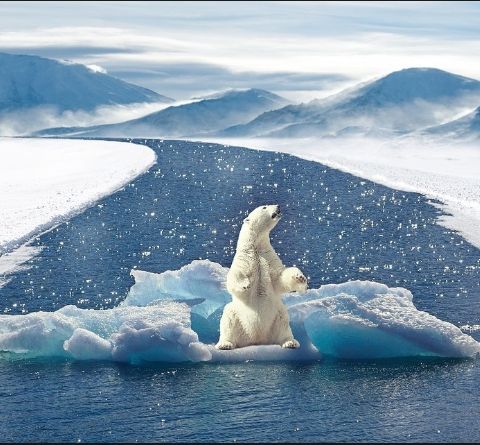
257	280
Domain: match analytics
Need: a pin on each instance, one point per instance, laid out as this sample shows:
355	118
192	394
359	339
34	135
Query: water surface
190	205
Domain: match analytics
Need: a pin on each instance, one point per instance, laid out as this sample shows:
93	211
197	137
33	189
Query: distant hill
402	101
466	127
205	115
29	81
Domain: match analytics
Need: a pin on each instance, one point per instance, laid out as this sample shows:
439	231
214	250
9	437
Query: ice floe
352	320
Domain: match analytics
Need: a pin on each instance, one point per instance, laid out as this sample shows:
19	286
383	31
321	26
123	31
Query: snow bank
353	320
13	262
43	182
441	171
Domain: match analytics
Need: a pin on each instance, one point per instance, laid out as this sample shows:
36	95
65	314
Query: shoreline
106	166
450	182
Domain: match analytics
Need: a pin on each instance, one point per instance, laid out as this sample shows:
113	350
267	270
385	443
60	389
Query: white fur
257	280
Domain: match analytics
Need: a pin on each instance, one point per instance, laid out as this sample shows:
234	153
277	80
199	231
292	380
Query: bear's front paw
225	345
298	281
291	344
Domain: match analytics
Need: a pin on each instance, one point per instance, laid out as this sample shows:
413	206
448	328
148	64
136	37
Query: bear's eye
264	207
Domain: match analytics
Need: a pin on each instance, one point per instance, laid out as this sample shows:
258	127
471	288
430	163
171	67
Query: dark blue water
393	401
190	205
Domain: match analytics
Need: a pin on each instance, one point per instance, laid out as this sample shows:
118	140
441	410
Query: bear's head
263	219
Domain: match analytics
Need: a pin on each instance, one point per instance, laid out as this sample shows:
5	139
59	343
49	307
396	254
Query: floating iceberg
201	279
159	332
366	320
174	317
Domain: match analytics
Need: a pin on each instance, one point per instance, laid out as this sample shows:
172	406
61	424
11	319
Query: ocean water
190	205
390	401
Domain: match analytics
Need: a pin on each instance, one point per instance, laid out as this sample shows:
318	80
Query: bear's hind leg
282	333
291	344
228	328
225	345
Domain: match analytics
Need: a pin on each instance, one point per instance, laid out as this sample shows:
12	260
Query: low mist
25	122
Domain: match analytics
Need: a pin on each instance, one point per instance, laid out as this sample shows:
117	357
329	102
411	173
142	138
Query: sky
301	50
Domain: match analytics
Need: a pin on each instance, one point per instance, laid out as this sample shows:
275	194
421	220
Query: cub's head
263	218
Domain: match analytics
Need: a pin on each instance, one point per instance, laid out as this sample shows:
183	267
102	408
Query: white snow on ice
353	320
446	172
44	182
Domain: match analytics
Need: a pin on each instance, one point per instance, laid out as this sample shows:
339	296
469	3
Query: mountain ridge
194	118
31	81
386	102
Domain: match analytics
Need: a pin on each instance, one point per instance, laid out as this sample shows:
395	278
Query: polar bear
256	280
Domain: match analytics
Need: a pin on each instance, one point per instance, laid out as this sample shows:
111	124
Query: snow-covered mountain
466	127
400	102
30	82
206	115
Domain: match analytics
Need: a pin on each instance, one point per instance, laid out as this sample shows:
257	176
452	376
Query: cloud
204	78
65	51
239	42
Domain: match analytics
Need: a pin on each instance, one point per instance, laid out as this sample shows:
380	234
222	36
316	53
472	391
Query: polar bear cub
256	281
